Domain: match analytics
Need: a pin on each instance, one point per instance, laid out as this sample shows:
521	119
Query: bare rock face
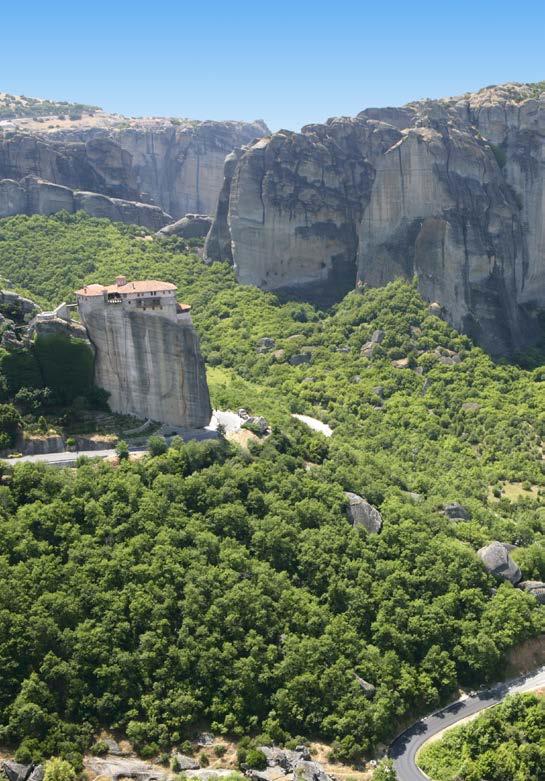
151	366
174	165
192	226
116	768
37	196
449	190
361	513
499	563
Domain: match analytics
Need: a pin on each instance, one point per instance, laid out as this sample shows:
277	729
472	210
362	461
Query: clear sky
289	62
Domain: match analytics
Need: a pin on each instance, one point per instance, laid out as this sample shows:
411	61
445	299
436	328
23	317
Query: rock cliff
451	191
175	165
151	366
36	196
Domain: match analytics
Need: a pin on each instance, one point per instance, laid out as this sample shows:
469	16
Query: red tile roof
139	286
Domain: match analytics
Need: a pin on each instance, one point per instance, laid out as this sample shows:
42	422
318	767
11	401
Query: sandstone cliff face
175	167
151	366
452	191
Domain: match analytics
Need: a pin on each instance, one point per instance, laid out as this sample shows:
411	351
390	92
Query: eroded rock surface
450	190
499	563
117	768
192	226
361	513
151	366
534	587
174	165
32	195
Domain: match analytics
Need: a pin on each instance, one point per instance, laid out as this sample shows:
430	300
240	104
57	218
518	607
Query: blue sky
290	63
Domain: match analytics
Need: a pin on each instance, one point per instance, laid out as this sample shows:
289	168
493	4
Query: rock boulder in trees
496	559
363	514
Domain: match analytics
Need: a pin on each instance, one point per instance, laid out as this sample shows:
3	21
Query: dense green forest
222	587
506	743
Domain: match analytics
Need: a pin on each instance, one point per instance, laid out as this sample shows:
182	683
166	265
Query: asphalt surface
404	749
69	458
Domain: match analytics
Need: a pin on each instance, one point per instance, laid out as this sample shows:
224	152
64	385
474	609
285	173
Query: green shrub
157	445
57	769
99	749
255	759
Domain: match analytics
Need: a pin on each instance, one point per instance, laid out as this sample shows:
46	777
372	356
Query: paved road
405	748
69	458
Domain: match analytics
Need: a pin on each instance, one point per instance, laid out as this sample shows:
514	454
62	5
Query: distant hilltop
173	165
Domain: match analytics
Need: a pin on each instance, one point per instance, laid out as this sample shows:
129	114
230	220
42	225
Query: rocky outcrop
174	165
450	191
534	587
499	563
37	196
117	768
362	514
14	771
456	512
192	226
289	765
183	762
150	365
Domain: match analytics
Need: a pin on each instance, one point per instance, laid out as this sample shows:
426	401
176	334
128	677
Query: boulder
361	513
266	344
284	758
10	341
534	587
368	349
17	306
14	771
185	762
456	512
37	774
401	363
192	226
300	358
310	771
496	559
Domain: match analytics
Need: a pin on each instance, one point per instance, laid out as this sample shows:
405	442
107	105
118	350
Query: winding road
404	749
